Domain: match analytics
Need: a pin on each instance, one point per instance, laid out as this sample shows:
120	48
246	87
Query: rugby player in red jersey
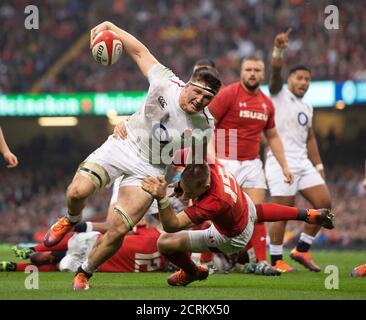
138	253
217	197
242	112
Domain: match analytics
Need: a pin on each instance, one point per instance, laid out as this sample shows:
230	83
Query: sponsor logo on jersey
253	115
302	118
160	133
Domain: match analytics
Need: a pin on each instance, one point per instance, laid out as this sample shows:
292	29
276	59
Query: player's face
298	82
252	74
190	192
196	98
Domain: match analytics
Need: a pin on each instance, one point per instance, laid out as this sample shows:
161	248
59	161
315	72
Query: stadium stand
221	30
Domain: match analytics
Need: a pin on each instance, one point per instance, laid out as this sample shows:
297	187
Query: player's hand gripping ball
107	47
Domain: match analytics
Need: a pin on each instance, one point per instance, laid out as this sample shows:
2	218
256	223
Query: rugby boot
305	259
181	278
56	233
282	266
323	217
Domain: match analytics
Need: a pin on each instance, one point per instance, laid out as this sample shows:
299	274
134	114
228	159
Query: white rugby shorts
248	173
202	240
306	176
118	158
79	247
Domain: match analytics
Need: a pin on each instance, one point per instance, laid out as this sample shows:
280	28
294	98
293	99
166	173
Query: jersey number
228	181
151	261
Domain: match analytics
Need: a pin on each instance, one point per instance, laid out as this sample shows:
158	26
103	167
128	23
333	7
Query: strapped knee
95	173
125	217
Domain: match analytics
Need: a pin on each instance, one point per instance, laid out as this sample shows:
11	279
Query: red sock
258	241
206	257
182	260
275	212
61	246
20	266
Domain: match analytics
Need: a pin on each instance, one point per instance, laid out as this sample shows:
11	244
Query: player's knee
76	192
163	243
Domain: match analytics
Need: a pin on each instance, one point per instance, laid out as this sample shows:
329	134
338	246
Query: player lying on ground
217	197
138	253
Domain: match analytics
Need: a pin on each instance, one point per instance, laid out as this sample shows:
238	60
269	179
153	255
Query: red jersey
138	253
224	203
236	108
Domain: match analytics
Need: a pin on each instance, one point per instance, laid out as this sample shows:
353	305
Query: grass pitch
303	285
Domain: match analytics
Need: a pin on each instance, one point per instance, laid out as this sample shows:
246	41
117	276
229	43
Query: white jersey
160	126
293	118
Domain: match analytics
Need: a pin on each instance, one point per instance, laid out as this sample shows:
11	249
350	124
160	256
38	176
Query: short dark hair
195	175
210	76
298	67
205	63
252	58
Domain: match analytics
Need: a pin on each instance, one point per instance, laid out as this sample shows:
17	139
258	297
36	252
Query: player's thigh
80	186
277	185
257	195
134	202
174	242
318	196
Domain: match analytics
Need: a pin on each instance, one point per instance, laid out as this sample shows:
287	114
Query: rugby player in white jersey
293	119
173	113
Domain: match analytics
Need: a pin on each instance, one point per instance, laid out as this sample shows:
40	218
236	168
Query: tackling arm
173	222
135	49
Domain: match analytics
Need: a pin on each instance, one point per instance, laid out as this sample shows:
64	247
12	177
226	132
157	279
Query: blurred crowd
177	33
32	196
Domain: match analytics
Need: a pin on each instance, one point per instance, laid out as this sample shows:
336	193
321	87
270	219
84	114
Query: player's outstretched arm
280	45
135	49
9	157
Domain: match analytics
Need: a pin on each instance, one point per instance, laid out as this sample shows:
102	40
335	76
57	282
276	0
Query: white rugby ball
107	47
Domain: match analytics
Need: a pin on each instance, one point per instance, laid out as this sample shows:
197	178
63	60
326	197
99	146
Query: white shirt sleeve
159	73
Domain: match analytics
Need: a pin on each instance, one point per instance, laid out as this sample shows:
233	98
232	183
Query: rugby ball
107	47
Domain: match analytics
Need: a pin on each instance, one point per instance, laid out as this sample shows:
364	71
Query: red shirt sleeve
271	116
204	209
220	104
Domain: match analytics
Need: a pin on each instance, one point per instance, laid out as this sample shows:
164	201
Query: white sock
89	226
86	268
306	238
275	249
73	218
